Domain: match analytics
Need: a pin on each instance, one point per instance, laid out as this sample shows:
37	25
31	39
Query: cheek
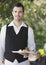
14	14
21	15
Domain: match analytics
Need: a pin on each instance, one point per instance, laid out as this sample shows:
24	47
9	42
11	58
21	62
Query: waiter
14	36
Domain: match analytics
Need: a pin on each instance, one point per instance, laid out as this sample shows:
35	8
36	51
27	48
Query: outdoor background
34	15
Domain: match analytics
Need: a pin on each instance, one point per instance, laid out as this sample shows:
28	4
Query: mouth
17	16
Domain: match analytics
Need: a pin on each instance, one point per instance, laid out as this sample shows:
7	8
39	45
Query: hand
24	52
3	61
27	49
38	55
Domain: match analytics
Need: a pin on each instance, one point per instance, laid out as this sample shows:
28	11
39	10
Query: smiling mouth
17	16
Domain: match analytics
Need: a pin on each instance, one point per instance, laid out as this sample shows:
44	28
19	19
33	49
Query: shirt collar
12	24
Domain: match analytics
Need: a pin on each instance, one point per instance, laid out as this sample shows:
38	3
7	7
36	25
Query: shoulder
3	29
30	29
26	25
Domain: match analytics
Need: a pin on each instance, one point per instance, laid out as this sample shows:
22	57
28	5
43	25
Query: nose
17	13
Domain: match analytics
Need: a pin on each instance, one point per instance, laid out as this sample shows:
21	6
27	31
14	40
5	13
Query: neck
17	23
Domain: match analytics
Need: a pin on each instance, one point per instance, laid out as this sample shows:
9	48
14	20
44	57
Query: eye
20	11
15	11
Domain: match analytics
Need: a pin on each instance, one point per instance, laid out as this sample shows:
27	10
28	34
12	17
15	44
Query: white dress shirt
31	43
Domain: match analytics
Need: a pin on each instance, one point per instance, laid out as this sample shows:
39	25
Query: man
14	36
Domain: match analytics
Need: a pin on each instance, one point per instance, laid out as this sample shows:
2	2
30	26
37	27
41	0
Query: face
17	13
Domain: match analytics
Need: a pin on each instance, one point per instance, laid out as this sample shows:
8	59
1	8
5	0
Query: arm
31	42
2	43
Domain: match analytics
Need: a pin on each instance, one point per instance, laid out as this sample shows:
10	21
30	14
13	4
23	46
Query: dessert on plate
22	51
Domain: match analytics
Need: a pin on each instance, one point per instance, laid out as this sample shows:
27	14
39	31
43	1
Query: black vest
15	42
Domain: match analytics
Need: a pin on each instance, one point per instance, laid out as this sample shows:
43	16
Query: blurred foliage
34	15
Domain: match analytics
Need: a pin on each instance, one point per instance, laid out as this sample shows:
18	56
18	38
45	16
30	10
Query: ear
12	12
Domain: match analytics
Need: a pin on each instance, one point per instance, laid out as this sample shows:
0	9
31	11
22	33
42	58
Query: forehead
17	9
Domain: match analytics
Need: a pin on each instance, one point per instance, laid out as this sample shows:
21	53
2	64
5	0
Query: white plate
20	52
15	52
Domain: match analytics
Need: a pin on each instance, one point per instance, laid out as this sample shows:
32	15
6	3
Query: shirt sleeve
31	42
2	43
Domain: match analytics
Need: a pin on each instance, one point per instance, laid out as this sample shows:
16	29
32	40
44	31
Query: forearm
2	43
1	56
31	42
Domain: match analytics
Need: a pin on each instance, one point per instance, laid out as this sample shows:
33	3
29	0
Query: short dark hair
19	5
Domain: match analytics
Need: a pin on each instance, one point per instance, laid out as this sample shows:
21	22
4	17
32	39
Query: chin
17	19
